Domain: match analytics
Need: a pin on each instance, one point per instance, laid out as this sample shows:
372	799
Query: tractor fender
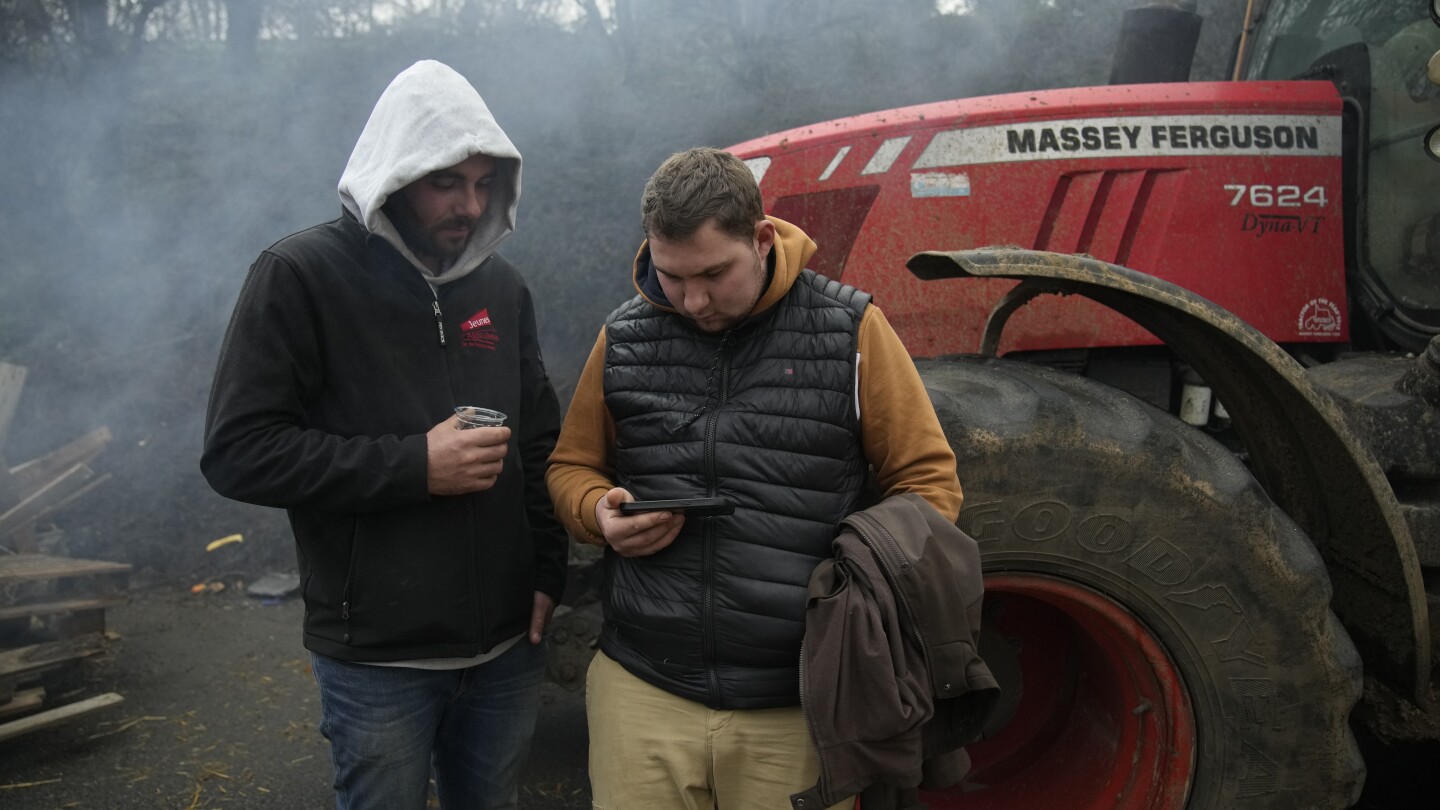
1300	448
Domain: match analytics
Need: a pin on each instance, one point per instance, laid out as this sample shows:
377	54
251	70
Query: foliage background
149	149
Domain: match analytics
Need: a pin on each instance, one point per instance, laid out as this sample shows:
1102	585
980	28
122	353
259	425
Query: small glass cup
473	417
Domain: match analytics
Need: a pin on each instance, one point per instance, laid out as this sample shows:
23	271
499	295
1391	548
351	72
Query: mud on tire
1068	479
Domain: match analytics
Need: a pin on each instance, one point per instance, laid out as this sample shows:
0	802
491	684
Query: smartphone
698	507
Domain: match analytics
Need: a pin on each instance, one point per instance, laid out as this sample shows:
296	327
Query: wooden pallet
66	598
68	594
52	608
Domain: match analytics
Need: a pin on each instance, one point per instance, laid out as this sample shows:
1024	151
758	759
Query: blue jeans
388	726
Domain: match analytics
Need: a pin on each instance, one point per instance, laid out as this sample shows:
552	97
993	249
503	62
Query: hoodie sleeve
582	468
258	448
539	429
899	431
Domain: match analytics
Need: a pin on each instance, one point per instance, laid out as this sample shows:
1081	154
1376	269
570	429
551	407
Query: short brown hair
698	185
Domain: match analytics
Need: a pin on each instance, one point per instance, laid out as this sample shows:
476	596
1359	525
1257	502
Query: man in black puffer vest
734	373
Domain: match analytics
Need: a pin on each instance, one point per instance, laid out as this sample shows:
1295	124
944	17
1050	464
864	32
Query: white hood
430	118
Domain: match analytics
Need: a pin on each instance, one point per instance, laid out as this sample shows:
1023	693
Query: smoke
142	184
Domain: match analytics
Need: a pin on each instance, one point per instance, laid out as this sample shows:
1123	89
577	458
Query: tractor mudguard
1301	449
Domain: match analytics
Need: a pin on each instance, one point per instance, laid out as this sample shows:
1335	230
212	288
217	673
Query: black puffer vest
763	415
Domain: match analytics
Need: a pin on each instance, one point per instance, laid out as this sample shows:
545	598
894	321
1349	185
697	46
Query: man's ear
764	237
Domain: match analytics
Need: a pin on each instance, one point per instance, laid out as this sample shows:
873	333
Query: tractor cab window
1399	210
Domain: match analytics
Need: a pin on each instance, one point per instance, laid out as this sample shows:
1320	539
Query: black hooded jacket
340	356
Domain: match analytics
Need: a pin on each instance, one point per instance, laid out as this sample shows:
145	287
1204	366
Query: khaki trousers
651	749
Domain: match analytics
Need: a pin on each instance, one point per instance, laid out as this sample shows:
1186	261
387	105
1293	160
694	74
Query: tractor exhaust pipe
1157	43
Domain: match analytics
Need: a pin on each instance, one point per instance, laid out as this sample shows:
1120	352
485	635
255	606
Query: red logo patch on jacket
477	330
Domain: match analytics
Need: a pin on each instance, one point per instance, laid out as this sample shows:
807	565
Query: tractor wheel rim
1103	718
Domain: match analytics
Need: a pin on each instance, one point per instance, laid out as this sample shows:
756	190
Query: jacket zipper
439	322
349	579
707	615
471	519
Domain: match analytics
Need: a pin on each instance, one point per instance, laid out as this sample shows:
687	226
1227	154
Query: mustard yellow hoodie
899	432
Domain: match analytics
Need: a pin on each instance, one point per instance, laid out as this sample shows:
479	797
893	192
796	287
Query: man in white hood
430	557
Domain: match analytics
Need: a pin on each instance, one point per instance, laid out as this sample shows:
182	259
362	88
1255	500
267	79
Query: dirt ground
220	711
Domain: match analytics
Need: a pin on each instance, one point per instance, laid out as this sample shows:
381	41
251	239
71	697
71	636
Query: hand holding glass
472	417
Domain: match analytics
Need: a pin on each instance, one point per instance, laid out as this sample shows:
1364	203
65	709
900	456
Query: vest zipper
707	602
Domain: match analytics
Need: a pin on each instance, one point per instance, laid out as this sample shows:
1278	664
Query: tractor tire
1164	628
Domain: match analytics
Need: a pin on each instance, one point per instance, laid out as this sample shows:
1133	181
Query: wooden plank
30	567
24	702
63	606
12	381
69	498
23	538
32	474
24	513
58	715
48	655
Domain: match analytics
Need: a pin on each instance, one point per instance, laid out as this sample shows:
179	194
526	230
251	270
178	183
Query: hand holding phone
635	534
692	507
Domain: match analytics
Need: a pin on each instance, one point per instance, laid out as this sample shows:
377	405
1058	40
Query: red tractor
1195	397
